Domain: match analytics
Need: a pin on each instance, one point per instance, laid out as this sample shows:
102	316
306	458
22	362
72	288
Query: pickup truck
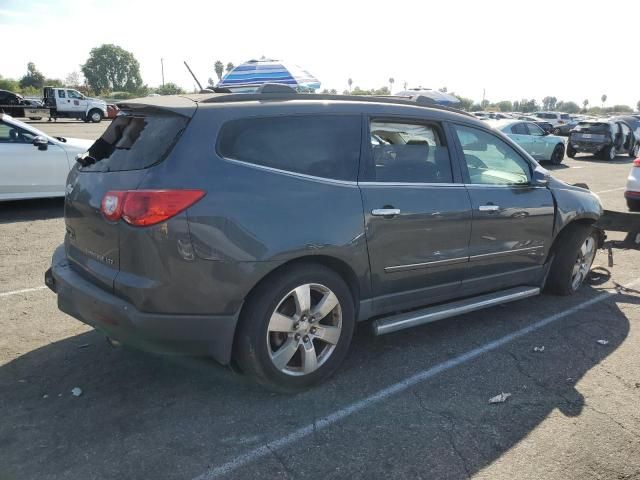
70	103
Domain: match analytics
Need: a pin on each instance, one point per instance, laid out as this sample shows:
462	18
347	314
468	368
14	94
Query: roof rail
270	91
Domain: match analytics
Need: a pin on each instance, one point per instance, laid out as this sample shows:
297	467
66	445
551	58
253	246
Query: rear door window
519	129
325	146
409	153
134	142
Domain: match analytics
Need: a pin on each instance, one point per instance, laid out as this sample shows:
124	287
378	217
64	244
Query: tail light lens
636	162
147	207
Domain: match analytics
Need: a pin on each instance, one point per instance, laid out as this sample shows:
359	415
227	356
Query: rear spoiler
178	104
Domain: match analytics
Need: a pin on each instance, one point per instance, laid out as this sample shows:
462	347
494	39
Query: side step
446	310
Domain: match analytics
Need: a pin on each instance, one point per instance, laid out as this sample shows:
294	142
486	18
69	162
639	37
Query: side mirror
540	177
41	142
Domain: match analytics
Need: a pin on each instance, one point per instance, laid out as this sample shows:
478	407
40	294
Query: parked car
546	126
565	128
533	139
32	163
261	227
632	193
554	118
605	138
11	103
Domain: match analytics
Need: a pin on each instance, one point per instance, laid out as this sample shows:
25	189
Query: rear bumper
210	335
632	195
588	147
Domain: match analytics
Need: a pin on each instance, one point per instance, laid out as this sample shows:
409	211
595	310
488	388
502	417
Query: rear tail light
147	207
636	162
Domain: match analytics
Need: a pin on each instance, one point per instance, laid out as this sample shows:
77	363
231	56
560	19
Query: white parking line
24	290
401	386
610	190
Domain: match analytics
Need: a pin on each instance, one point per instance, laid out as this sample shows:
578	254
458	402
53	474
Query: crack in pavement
450	432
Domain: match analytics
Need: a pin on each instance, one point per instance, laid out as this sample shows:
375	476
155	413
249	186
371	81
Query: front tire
573	258
95	115
571	152
296	328
558	155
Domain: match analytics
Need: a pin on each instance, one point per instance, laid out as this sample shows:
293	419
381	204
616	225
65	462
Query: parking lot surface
413	404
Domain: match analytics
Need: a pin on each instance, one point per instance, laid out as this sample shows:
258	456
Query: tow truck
60	102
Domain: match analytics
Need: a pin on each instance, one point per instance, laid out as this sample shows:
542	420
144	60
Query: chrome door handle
489	208
385	212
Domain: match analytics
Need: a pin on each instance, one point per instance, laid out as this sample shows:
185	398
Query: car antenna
202	90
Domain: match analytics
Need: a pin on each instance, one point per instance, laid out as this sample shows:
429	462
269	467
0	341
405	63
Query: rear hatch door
141	137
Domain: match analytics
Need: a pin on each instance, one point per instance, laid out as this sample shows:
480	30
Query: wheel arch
582	221
335	264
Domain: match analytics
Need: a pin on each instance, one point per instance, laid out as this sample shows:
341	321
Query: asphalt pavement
413	404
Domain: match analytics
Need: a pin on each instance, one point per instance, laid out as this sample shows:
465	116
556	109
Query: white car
32	163
554	118
632	193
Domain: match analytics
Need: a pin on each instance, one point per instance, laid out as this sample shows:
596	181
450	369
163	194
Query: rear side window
409	153
134	142
519	129
325	146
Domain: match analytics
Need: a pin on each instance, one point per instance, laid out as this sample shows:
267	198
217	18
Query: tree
465	103
34	78
505	106
391	82
604	99
485	103
638	105
9	84
516	106
72	80
443	89
350	82
230	66
585	104
169	89
219	69
568	107
112	68
528	106
549	103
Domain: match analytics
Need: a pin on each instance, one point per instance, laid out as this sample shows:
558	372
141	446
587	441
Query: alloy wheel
585	257
304	329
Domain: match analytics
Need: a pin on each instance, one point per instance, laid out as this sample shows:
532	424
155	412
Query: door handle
385	212
489	208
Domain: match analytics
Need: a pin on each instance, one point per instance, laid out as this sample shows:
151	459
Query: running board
446	310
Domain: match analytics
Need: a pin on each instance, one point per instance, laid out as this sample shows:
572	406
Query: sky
570	49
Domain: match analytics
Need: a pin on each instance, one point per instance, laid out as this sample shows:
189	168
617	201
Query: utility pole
483	95
162	67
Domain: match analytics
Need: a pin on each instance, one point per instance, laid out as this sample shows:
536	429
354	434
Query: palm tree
350	82
638	105
604	99
219	68
585	103
391	82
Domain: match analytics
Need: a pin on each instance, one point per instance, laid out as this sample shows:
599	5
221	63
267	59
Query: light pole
162	68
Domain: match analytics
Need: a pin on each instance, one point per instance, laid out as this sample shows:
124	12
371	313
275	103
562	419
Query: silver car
533	139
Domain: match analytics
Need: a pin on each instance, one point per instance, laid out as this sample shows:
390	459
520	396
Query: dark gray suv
259	228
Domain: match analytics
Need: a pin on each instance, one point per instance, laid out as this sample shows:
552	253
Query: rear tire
576	249
558	155
633	204
95	115
635	151
280	336
571	152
